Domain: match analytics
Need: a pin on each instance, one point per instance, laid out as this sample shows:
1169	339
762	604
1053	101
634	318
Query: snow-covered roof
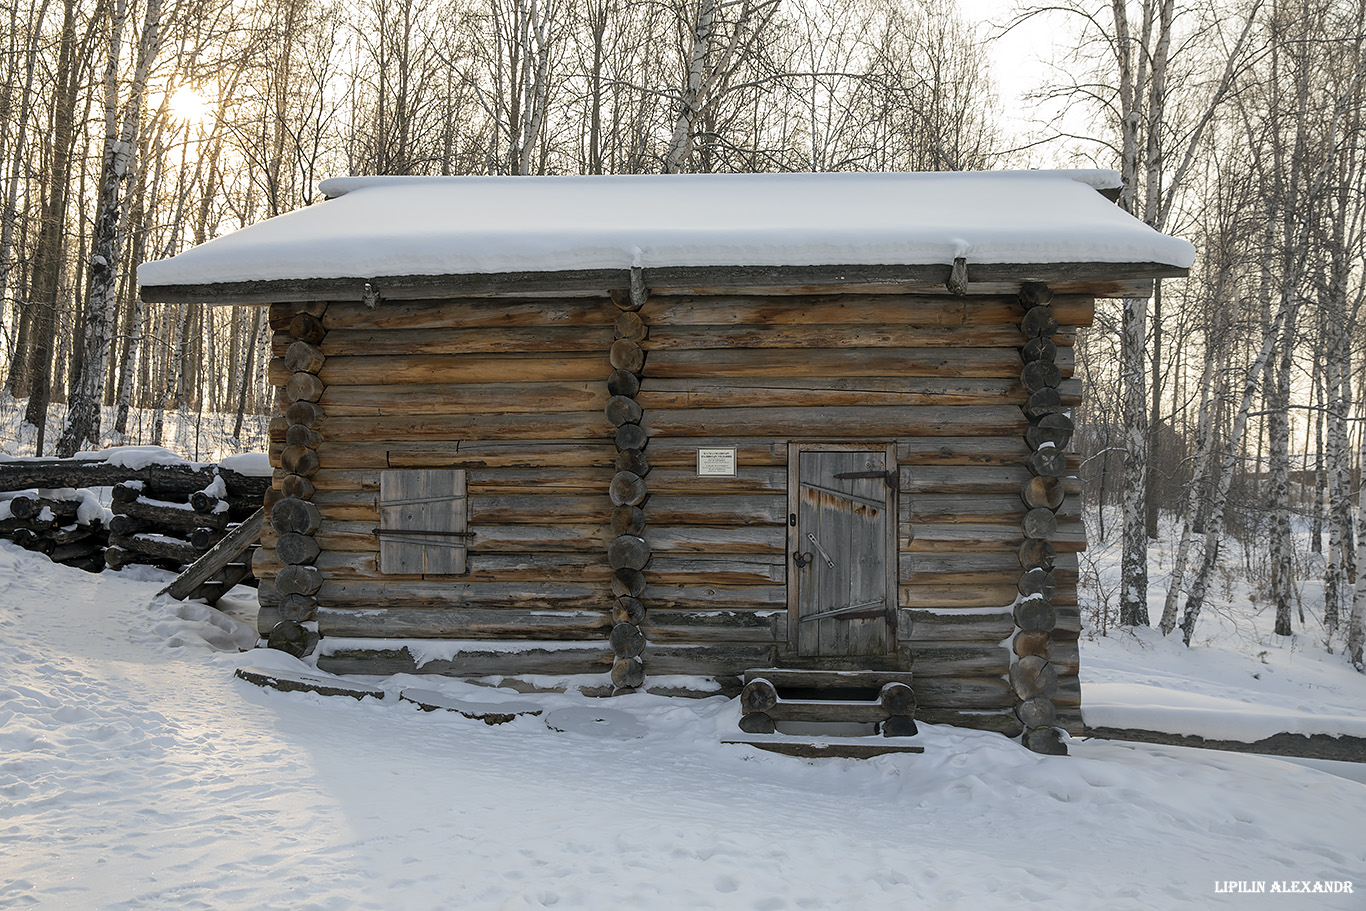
372	227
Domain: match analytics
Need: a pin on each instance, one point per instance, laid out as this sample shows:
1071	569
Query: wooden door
842	549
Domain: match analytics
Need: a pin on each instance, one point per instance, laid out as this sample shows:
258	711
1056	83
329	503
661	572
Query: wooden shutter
414	502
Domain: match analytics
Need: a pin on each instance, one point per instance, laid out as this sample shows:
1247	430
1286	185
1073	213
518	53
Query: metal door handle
825	556
801	559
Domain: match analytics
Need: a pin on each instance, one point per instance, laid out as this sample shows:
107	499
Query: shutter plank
422	500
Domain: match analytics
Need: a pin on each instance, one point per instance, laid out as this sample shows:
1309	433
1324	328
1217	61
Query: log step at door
778	695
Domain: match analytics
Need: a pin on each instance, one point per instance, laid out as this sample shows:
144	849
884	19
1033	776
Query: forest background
1229	404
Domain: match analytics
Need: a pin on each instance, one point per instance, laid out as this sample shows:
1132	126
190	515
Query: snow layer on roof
386	226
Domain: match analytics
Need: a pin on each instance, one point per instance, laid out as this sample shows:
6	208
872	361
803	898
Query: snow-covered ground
1238	681
136	772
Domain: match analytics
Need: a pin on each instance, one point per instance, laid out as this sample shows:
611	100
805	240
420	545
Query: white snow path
135	772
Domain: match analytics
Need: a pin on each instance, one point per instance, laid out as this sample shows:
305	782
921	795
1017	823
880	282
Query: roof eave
1097	279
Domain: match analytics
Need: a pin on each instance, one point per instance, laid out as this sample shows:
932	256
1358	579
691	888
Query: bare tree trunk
1356	623
87	391
1214	521
47	256
1204	434
10	215
257	339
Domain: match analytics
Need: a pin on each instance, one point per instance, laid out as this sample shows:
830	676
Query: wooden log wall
291	578
940	376
594	540
628	554
515	393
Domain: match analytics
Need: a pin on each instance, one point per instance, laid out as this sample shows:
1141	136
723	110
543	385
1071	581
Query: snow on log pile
69	526
166	511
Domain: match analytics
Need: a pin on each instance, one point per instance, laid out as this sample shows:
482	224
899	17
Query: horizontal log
962	693
158	547
995	566
747	509
720	659
10	525
163	480
700	597
180	517
369	370
854	421
964	451
997	722
1068	696
531	341
484	426
932	627
463	623
981	538
667	540
747	480
980	595
466	454
358	537
717	569
941	362
784	335
915	576
731	309
338	656
511	509
695	626
1065	656
937	480
1001	509
958	660
458	593
681	452
467	398
818	392
510	568
25	506
471	313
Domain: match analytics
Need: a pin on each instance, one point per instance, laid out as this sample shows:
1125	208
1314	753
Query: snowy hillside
136	772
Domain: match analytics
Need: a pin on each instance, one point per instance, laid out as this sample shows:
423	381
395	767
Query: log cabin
789	435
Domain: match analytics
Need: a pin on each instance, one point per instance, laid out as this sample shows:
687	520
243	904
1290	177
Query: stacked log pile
294	517
172	515
53	522
628	553
162	514
1033	677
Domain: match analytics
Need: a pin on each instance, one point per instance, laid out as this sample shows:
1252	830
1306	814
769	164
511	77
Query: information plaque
716	463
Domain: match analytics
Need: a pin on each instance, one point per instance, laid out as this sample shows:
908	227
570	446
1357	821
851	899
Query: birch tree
121	141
